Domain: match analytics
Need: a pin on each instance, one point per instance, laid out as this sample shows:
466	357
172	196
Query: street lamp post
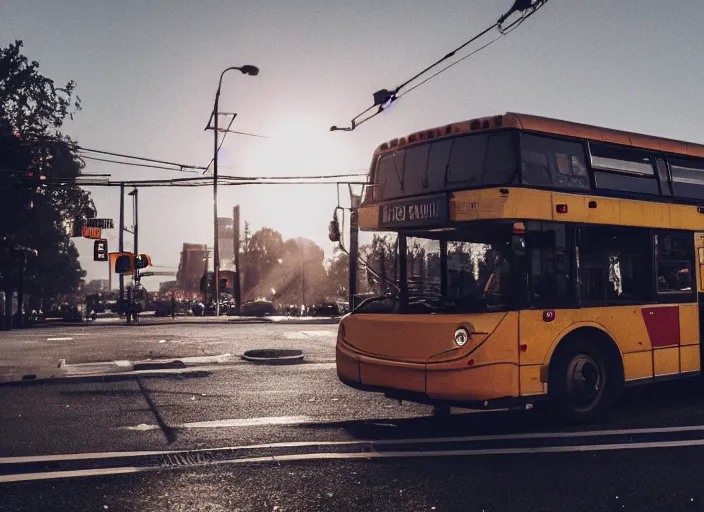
245	70
135	278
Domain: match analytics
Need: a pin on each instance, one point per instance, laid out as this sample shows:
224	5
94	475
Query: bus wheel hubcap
583	380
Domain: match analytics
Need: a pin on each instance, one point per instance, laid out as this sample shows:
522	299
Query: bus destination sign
424	211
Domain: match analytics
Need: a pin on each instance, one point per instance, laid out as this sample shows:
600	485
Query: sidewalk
27	374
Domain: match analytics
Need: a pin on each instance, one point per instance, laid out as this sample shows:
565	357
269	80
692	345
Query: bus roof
550	126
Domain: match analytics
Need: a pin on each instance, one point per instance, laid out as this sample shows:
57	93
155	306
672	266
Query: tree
262	250
36	253
287	272
338	272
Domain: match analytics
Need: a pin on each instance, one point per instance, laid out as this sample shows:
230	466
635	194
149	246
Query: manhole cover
273	356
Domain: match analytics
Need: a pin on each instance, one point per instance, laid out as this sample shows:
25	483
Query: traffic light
100	250
127	262
142	261
123	262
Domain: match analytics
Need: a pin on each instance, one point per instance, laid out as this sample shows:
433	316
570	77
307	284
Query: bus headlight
461	336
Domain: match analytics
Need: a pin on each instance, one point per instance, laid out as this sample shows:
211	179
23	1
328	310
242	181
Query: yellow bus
537	258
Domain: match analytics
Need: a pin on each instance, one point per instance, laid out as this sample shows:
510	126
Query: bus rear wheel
584	381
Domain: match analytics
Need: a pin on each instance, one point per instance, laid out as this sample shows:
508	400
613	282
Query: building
193	264
226	240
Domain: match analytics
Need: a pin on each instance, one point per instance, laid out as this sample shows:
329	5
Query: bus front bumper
460	381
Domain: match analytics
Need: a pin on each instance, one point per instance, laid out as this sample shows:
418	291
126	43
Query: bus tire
585	378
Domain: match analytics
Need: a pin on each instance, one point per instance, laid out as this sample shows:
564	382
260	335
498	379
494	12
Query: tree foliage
34	244
290	271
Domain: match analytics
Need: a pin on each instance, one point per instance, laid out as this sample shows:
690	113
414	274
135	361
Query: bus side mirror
334	229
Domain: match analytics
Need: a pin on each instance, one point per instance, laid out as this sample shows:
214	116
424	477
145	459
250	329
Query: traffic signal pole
136	234
135	227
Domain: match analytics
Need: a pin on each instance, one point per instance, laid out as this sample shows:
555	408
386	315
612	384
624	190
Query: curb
165	322
114	369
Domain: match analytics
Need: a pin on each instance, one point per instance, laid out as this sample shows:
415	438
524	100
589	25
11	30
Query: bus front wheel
584	380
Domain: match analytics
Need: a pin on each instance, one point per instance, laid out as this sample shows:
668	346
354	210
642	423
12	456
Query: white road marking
248	422
194	360
143	426
302	335
381	442
25	477
21	477
229	423
60	339
428	440
320	334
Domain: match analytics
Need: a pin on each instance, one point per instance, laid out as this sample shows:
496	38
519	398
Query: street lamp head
248	69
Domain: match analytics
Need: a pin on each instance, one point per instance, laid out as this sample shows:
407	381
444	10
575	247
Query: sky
147	71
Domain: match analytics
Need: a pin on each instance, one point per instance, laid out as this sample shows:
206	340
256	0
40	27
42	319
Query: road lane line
248	422
436	440
372	443
29	459
228	423
60	339
21	477
78	473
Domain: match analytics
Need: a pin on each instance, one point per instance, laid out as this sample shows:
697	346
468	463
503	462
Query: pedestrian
173	306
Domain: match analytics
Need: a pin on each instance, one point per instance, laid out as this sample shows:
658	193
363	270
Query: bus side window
550	280
674	254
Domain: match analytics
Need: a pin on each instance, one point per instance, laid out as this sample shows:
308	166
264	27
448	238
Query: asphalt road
232	435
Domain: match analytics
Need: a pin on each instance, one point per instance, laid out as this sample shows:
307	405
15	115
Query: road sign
100	250
149	274
99	223
92	233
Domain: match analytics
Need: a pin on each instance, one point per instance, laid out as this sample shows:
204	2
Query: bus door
699	271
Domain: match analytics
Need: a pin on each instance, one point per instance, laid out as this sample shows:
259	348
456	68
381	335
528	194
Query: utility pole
245	70
303	291
135	278
236	232
121	239
216	247
354	247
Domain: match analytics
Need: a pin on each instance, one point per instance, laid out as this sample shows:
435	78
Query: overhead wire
227	130
442	70
385	98
143	159
135	164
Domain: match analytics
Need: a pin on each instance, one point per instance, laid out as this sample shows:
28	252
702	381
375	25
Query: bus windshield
460	271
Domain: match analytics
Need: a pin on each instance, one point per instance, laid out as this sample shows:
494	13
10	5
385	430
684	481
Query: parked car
325	309
163	308
257	308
